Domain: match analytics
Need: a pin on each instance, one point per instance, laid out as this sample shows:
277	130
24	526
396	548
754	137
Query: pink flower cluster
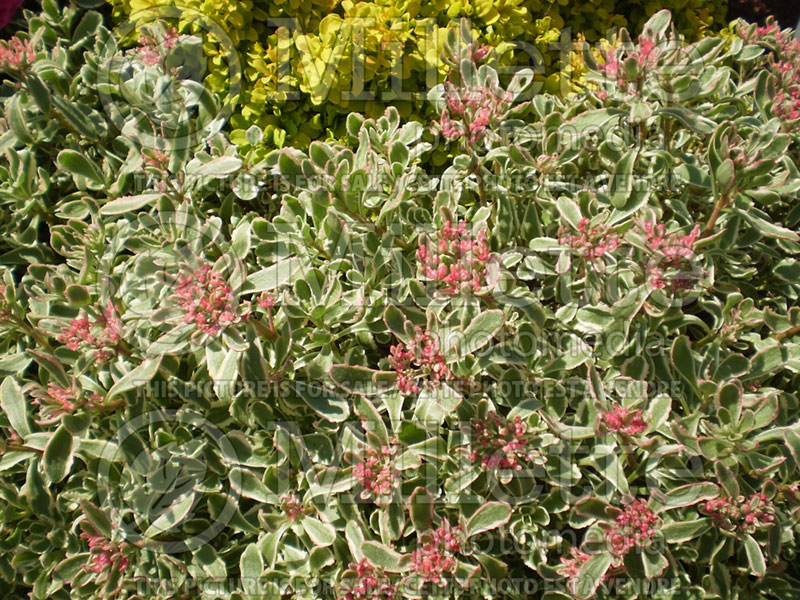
101	335
364	581
622	420
590	242
152	51
376	472
436	557
745	515
470	112
670	251
16	55
207	301
106	556
455	258
785	64
58	401
292	507
499	443
419	358
571	565
634	528
646	53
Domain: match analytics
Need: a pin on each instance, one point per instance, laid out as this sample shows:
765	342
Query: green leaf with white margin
273	276
489	516
251	566
78	164
654	562
323	401
220	166
569	211
683	531
135	378
172	516
248	485
590	575
689	494
658	412
322	534
574	355
14	406
477	334
683	360
754	556
240	240
355	379
621	182
610	467
58	455
129	204
420	509
382	556
223	367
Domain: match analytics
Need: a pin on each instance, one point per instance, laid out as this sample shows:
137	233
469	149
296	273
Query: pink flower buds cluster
455	257
785	64
58	401
376	472
106	556
633	528
622	420
590	242
571	565
102	335
646	54
436	556
419	358
292	507
745	515
670	251
16	55
499	443
207	301
152	50
470	112
364	581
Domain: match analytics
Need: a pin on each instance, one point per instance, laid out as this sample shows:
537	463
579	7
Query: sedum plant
563	363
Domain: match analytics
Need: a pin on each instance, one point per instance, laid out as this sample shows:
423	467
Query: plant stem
712	220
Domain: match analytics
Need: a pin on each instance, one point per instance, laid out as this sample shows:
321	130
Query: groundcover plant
561	364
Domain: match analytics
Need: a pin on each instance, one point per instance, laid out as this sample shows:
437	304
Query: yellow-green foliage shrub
297	56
